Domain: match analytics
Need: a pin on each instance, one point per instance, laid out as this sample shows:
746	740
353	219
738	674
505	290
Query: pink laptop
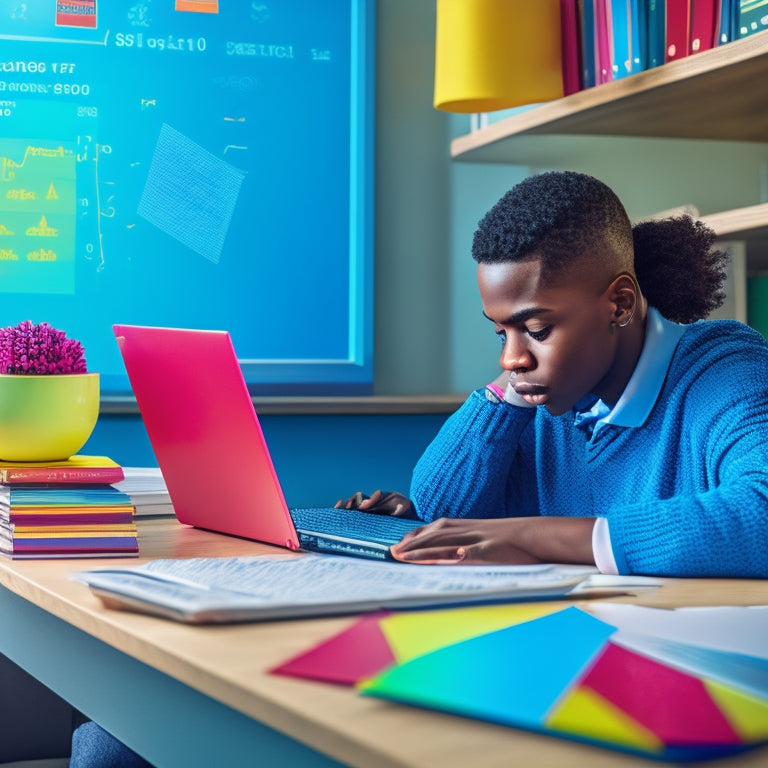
211	450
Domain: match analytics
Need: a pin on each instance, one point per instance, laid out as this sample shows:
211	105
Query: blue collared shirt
632	409
642	390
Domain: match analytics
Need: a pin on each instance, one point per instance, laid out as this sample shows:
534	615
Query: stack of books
65	509
147	490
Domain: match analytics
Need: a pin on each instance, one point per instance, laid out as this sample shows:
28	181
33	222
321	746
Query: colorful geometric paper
377	641
357	653
555	670
491	676
673	705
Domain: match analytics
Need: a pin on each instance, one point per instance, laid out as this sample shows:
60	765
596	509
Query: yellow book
76	469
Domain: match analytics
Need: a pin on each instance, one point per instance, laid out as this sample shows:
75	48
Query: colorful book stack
65	509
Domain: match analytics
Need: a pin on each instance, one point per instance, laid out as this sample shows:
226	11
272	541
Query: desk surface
229	665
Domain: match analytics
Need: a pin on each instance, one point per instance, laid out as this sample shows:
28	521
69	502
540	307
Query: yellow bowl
46	418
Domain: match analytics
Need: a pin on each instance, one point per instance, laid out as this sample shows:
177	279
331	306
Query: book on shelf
704	24
77	469
627	37
639	12
587	42
571	58
752	16
603	42
677	29
727	22
655	19
757	302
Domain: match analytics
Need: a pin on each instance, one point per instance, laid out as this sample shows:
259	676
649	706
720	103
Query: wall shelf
716	94
749	224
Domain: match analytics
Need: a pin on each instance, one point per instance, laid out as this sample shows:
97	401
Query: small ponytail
679	271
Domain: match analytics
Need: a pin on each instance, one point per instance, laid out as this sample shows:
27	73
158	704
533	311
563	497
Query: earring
624	323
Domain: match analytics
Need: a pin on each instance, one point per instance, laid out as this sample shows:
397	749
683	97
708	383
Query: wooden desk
201	696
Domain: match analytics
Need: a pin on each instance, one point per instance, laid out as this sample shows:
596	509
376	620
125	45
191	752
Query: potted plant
49	402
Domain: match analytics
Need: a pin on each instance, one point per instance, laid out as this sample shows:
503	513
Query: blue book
726	25
53	495
587	18
621	34
638	35
657	35
753	16
642	32
629	37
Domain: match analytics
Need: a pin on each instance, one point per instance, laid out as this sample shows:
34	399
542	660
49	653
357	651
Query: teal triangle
512	676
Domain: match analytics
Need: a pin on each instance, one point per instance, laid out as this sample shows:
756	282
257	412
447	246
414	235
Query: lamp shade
497	54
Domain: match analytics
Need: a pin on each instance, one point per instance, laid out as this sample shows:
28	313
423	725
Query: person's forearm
557	539
511	540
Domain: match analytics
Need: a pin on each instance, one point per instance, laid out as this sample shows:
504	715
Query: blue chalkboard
193	163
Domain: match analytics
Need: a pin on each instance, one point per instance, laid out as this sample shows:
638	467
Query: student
621	432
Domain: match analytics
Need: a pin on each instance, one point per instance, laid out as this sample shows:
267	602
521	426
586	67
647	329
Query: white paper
274	586
734	629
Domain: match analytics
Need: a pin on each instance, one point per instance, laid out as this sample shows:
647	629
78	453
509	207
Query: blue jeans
93	747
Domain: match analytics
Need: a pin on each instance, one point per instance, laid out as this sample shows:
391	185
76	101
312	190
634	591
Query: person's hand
507	541
380	503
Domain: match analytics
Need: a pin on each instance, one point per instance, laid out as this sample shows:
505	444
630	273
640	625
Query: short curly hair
561	217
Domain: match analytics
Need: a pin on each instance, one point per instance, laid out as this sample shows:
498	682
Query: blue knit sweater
685	494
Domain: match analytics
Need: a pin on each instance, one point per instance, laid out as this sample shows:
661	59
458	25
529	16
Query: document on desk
218	590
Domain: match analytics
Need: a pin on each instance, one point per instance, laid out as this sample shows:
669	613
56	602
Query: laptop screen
204	430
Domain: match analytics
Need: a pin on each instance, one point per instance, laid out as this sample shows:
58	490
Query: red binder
678	29
704	24
571	61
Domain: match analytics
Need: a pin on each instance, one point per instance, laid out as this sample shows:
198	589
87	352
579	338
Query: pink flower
39	349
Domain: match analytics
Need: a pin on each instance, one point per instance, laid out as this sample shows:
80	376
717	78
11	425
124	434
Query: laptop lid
203	428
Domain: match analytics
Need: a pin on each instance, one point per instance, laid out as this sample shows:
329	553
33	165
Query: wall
412	346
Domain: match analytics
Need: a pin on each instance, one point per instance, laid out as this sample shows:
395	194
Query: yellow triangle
585	713
747	714
412	634
52	193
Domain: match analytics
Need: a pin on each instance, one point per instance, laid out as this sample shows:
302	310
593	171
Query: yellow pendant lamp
497	54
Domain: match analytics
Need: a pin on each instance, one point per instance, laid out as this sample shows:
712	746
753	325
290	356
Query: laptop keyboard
353	524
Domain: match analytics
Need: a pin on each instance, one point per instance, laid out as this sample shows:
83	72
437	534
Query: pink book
678	29
571	59
704	24
603	38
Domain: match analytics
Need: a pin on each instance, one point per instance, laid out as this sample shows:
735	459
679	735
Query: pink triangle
354	654
671	704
